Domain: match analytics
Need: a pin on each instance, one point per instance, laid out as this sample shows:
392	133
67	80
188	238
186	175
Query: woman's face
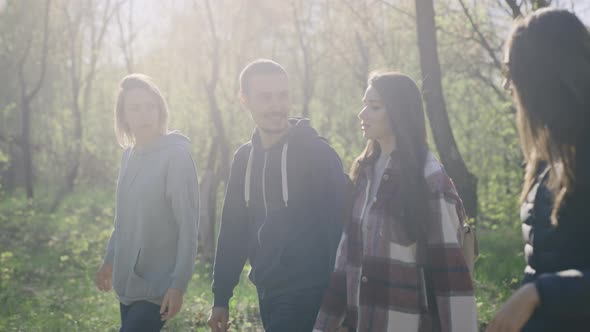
141	114
374	119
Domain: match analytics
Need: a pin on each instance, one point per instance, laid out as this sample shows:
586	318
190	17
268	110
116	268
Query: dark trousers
291	312
140	316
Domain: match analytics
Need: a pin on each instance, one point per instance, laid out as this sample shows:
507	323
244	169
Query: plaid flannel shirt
380	285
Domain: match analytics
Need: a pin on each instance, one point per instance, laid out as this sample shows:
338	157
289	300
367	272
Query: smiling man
283	209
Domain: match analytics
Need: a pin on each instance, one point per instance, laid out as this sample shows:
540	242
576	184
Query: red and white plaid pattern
378	284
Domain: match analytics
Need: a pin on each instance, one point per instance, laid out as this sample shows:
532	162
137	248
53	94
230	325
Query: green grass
48	261
498	270
47	266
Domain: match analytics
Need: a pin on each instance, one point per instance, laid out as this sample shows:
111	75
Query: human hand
516	311
171	304
219	319
104	277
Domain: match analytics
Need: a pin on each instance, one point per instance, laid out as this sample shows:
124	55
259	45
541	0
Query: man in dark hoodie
283	210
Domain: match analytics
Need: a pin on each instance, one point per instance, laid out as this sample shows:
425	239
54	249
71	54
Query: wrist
220	301
532	294
176	290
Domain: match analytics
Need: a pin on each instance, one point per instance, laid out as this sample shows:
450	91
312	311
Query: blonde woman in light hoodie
150	256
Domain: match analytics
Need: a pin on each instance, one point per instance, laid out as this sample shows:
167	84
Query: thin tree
436	107
218	157
304	43
82	25
28	94
127	35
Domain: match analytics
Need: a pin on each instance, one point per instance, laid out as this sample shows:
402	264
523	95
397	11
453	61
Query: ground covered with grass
48	261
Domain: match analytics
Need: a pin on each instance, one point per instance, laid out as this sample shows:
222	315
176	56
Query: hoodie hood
300	132
169	139
299	128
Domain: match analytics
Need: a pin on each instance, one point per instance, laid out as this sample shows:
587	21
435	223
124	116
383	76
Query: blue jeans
140	316
291	312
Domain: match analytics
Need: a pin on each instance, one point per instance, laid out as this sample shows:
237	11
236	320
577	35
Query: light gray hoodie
154	242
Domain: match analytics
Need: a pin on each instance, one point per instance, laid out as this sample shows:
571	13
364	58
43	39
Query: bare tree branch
126	39
482	39
307	82
21	62
366	22
516	12
397	9
43	52
540	3
487	81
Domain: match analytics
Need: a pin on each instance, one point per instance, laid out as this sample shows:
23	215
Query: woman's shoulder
432	167
435	175
179	156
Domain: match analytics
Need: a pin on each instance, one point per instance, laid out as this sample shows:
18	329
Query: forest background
60	65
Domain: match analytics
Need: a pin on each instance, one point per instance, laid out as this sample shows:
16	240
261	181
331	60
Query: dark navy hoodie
552	250
284	211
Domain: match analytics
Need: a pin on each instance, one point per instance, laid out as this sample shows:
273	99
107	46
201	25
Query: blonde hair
130	82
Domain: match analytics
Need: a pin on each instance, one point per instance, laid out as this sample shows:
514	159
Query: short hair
259	67
137	81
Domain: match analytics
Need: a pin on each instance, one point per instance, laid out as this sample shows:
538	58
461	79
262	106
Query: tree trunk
217	168
307	83
26	138
27	97
436	109
207	219
8	172
82	85
216	172
72	173
127	38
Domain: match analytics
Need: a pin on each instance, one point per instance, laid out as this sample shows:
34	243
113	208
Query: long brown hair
403	101
548	61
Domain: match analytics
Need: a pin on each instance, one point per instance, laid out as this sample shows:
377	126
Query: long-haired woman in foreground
548	70
400	266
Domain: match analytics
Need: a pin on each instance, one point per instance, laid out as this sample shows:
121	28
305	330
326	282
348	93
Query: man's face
267	99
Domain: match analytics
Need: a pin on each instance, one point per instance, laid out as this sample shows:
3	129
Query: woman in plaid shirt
399	265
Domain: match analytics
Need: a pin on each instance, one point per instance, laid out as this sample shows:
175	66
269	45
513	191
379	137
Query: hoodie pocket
137	286
293	260
267	275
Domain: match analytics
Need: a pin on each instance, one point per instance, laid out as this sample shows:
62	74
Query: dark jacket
552	250
283	210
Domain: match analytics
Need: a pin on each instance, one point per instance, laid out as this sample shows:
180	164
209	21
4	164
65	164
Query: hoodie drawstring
284	182
284	179
247	180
